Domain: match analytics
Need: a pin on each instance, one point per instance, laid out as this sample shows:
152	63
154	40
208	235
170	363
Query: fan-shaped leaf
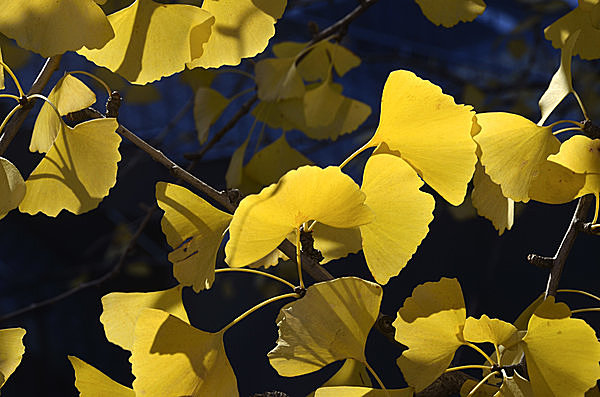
450	12
492	330
12	187
208	106
11	351
90	382
278	78
586	45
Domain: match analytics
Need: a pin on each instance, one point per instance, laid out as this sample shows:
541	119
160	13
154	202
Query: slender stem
98	79
40	96
477	386
375	376
577	123
585	115
566	130
597	200
14	78
498	355
477	348
299	258
462	367
241	93
353	155
254	271
255	308
16	98
8	116
576	291
590	309
342	24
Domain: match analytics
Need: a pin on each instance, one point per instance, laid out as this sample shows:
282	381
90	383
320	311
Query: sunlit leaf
450	12
489	201
430	131
148	45
77	172
513	149
561	84
270	164
562	353
262	221
430	323
194	228
352	373
555	184
172	358
242	29
131	93
51	28
12	187
68	95
121	310
402	215
208	106
90	382
515	386
487	329
350	391
278	78
11	351
330	323
586	45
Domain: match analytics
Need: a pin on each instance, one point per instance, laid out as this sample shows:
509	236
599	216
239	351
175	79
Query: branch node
543	262
113	103
591	228
384	323
234	196
301	291
590	129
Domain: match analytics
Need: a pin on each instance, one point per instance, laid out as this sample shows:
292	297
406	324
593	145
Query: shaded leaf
278	78
209	104
90	382
11	351
430	131
484	391
234	173
352	373
321	105
148	45
12	187
451	12
489	201
121	310
492	330
515	386
77	172
349	391
194	228
330	323
335	243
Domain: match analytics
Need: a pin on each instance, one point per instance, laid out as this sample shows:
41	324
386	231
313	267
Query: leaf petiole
478	349
463	367
577	123
576	291
590	309
14	78
8	116
481	382
254	271
255	308
372	371
353	155
16	98
566	130
299	258
585	115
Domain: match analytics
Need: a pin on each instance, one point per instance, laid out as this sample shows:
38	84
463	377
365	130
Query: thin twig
105	277
342	25
556	263
11	129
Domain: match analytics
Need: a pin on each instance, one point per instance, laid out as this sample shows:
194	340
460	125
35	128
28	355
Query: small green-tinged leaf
54	27
278	78
121	310
68	95
90	382
350	391
208	106
330	323
402	215
431	132
430	323
450	12
11	351
12	187
77	172
262	221
172	358
194	228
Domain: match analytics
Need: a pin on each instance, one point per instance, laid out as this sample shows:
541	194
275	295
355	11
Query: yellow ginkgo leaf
562	354
77	172
195	229
270	164
242	29
11	351
431	132
489	201
515	386
208	106
234	173
51	28
561	84
586	45
12	187
271	113
430	323
278	78
402	215
262	221
148	45
68	95
450	12
321	104
354	391
513	149
90	382
555	184
335	243
352	373
330	323
172	358
490	330
1	73
121	309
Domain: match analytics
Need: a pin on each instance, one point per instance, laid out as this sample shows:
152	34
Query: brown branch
340	27
96	282
11	129
556	263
